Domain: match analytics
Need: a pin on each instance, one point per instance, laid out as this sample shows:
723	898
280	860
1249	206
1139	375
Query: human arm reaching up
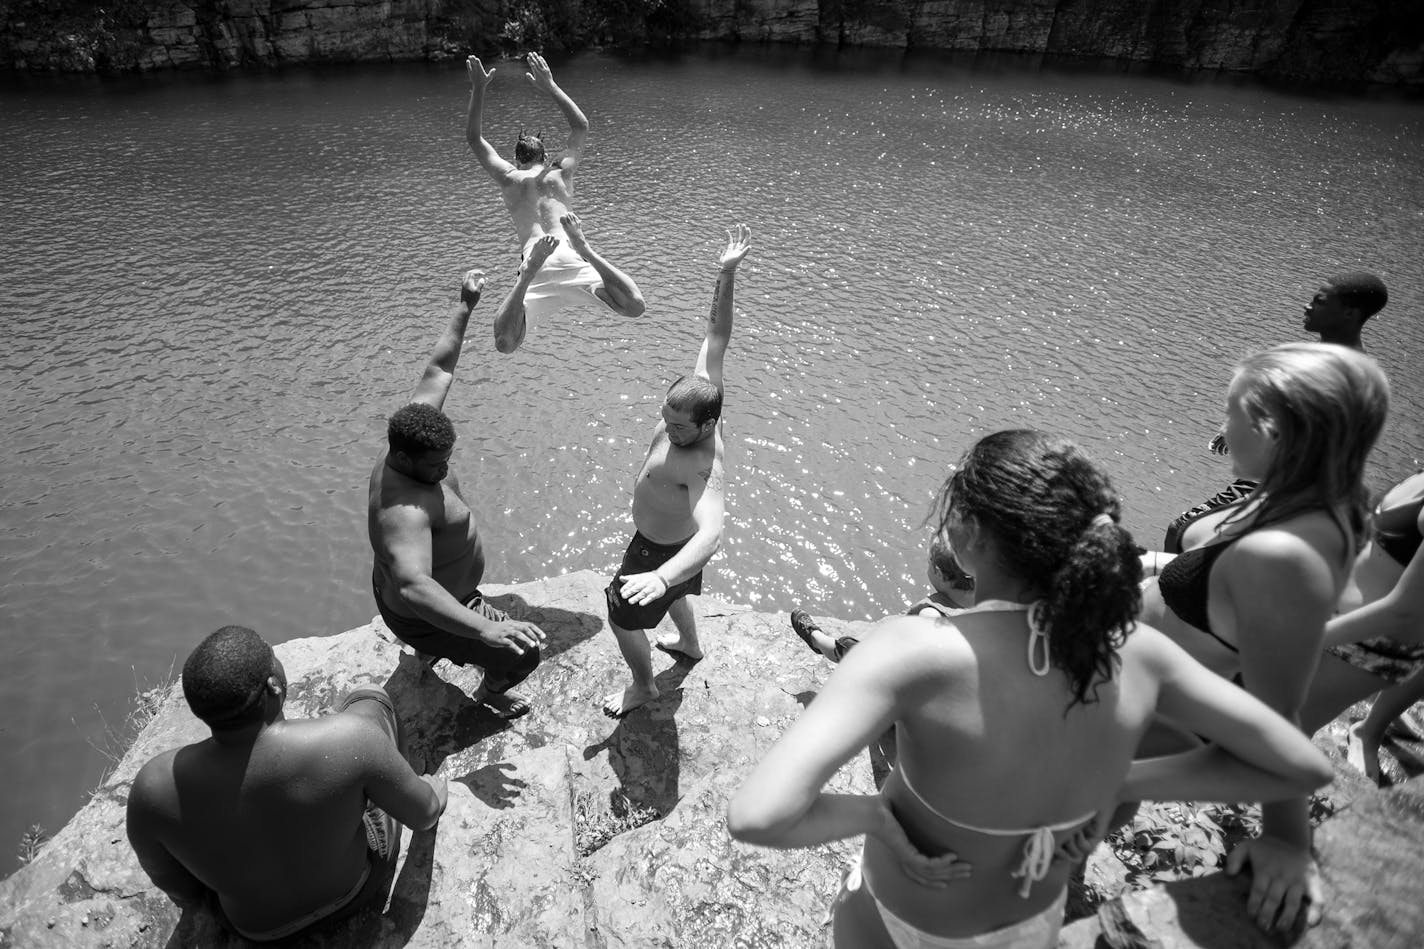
542	79
496	167
439	373
719	321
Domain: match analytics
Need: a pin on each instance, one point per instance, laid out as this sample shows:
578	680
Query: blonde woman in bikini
1251	593
1017	719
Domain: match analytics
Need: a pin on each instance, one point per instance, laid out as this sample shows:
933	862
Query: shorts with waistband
1382	657
644	556
504	667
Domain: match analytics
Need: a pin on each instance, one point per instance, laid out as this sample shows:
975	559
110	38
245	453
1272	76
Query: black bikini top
1185	584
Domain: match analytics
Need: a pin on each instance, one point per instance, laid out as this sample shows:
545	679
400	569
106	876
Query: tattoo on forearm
716	300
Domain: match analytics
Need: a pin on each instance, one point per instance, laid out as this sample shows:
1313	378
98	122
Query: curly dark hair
1040	498
418	428
224	677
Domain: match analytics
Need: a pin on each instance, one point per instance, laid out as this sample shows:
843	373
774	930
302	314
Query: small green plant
595	825
32	842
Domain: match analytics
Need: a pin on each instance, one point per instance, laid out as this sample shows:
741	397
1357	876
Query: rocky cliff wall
565	829
1379	41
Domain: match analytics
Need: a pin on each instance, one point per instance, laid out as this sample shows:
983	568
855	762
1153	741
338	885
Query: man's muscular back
535	199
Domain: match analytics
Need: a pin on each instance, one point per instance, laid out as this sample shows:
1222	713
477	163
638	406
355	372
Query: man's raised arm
434	385
719	321
496	167
543	79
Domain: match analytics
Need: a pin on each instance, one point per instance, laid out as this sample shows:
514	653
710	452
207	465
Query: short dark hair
529	148
418	428
1362	291
697	396
224	678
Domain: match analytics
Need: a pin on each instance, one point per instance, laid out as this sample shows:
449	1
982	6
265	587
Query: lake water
216	287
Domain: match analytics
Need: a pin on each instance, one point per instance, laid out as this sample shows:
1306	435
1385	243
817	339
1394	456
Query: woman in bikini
1257	580
1017	719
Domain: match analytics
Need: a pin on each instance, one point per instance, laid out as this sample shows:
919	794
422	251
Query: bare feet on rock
675	647
502	705
619	704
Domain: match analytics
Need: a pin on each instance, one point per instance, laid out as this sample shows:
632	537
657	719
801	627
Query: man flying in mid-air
559	266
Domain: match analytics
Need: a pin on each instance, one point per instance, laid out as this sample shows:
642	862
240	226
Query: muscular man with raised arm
429	560
287	823
558	264
677	505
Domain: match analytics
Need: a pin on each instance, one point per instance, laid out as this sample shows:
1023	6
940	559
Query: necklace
1038	662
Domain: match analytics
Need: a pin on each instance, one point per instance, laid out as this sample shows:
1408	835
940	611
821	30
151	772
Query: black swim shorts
644	556
504	668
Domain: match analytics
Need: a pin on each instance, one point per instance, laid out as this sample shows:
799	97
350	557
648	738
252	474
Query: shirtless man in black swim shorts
677	506
428	557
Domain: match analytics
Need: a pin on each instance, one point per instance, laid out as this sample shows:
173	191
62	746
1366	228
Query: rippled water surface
215	288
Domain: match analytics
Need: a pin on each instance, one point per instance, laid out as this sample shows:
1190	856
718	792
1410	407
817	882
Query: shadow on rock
565	628
440	719
643	750
493	785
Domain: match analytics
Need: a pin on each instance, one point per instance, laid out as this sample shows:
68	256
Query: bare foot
471	287
540	252
618	704
573	227
675	647
503	705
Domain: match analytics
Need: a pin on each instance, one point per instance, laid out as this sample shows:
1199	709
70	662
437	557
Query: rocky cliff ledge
1377	41
566	829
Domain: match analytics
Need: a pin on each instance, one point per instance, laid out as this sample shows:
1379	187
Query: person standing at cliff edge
428	557
558	265
286	823
677	505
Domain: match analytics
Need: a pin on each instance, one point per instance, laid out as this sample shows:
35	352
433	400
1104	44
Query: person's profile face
1326	313
431	467
1249	442
682	431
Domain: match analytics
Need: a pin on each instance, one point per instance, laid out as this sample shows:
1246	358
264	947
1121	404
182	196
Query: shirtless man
286	823
1339	308
558	264
429	560
677	506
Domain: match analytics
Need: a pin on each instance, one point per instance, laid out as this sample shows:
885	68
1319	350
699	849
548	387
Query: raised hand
471	287
739	241
539	73
476	69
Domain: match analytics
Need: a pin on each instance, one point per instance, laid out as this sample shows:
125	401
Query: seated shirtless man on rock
677	505
428	557
287	823
558	264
